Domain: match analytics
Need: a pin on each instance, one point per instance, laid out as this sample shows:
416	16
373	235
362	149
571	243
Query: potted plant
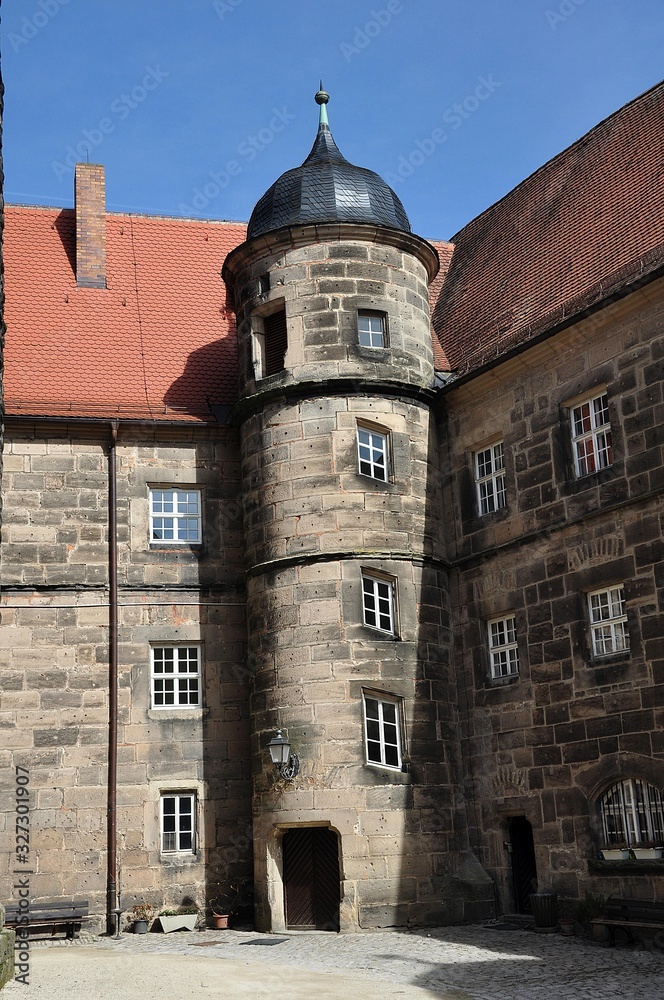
648	850
223	906
618	851
566	920
142	914
181	918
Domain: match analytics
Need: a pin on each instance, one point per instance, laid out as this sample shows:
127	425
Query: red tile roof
157	343
582	227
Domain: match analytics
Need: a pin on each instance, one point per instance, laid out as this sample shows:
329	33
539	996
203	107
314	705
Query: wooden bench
626	914
65	915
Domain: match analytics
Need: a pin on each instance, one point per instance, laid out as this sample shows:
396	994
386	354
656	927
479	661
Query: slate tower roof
327	188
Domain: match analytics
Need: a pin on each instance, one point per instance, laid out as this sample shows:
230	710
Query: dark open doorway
524	867
311	878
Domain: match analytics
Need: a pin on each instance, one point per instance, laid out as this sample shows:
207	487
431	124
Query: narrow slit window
276	341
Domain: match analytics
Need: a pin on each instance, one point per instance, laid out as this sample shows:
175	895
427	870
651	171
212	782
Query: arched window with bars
632	811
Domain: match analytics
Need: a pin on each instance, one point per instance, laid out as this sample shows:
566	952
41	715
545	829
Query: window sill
503	681
574	484
378	634
178	712
629	867
389	776
194	547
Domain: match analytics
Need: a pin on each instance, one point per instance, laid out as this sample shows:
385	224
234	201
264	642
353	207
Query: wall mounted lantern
287	763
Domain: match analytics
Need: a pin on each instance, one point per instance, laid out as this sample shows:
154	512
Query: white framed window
371	329
372	453
490	478
175	516
378	603
382	731
176	676
503	647
632	811
178	822
591	435
608	621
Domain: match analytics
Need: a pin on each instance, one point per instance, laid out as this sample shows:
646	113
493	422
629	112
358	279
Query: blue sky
196	106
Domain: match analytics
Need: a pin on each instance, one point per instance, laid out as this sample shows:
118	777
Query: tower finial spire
322	97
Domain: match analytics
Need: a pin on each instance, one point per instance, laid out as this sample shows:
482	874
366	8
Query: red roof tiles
586	224
157	343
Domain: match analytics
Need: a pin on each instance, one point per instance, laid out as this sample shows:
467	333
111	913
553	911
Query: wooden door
311	878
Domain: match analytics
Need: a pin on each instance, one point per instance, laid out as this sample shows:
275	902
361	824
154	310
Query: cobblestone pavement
457	963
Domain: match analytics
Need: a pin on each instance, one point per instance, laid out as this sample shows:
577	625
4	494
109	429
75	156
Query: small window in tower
372	329
275	342
378	603
372	451
382	730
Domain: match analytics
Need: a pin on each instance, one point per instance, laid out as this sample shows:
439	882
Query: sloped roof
157	343
581	228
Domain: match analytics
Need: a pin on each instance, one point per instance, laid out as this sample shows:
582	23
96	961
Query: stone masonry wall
322	286
546	744
54	650
313	523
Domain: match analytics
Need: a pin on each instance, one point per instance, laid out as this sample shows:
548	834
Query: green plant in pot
224	905
142	914
180	918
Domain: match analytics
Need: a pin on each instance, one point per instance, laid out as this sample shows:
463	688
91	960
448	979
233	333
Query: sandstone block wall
54	656
546	744
322	286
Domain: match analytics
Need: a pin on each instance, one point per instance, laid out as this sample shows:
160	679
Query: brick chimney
90	202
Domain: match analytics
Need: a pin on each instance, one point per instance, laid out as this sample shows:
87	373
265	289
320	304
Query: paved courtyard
459	963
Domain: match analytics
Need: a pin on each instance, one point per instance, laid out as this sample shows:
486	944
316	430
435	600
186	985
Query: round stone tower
348	611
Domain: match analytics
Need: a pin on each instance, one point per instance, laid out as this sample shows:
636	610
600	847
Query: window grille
632	811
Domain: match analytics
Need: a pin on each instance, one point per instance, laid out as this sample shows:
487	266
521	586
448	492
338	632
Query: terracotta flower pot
220	921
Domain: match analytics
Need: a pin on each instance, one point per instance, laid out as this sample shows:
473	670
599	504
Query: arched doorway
311	878
524	866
